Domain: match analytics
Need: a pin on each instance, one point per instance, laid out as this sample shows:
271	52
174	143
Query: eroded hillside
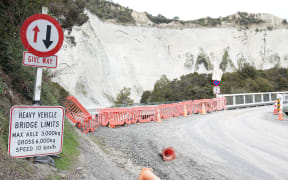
100	58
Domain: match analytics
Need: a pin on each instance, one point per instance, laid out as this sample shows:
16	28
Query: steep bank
100	58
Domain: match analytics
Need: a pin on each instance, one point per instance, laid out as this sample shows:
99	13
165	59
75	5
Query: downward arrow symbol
47	42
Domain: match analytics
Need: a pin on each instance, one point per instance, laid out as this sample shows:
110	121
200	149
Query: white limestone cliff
105	57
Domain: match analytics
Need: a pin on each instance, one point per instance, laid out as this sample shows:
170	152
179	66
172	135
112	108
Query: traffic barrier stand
175	109
103	117
214	104
79	115
74	110
168	154
189	107
196	106
275	108
94	123
145	114
207	103
221	104
165	111
147	174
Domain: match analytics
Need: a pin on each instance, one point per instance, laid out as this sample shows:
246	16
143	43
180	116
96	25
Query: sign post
216	88
38	130
42	36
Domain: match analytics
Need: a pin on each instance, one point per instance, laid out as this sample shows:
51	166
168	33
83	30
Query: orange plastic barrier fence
144	114
115	116
125	116
79	115
196	106
221	103
75	111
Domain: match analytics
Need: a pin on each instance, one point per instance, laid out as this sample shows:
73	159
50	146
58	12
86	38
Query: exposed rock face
141	18
105	57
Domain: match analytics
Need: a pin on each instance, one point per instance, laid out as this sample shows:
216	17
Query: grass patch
70	148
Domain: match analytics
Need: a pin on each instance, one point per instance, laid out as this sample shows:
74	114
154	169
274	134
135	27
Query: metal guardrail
252	99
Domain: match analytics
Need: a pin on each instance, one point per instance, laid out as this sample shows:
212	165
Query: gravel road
235	144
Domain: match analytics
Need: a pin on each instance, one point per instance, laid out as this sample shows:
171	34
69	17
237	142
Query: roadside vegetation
16	80
108	10
70	151
199	86
123	98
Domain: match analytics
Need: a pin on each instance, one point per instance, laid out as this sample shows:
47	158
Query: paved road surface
234	144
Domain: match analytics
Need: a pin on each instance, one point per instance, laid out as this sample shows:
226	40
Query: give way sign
41	35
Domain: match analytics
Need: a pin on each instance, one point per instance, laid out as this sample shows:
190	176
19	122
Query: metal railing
252	99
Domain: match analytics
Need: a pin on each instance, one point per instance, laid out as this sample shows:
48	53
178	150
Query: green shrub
159	19
247	70
123	97
145	97
109	10
198	86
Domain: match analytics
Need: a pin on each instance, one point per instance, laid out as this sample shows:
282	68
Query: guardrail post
270	97
234	100
253	97
244	99
262	97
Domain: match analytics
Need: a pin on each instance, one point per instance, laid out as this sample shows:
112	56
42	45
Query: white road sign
35	131
216	90
30	59
41	35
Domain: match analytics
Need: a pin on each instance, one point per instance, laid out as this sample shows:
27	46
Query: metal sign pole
37	86
36	101
38	76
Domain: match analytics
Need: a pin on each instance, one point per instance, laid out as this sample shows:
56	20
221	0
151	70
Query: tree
162	90
123	97
176	18
145	97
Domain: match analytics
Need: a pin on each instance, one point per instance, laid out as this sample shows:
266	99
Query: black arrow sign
47	42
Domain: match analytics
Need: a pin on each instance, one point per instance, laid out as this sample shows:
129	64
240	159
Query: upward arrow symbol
47	42
36	30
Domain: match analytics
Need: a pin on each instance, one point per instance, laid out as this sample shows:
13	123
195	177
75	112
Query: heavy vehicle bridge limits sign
35	131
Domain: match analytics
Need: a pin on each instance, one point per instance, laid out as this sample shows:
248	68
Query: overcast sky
194	9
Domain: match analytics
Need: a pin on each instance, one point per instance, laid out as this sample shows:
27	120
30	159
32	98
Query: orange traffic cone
280	114
168	154
185	111
203	111
147	174
158	118
275	108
